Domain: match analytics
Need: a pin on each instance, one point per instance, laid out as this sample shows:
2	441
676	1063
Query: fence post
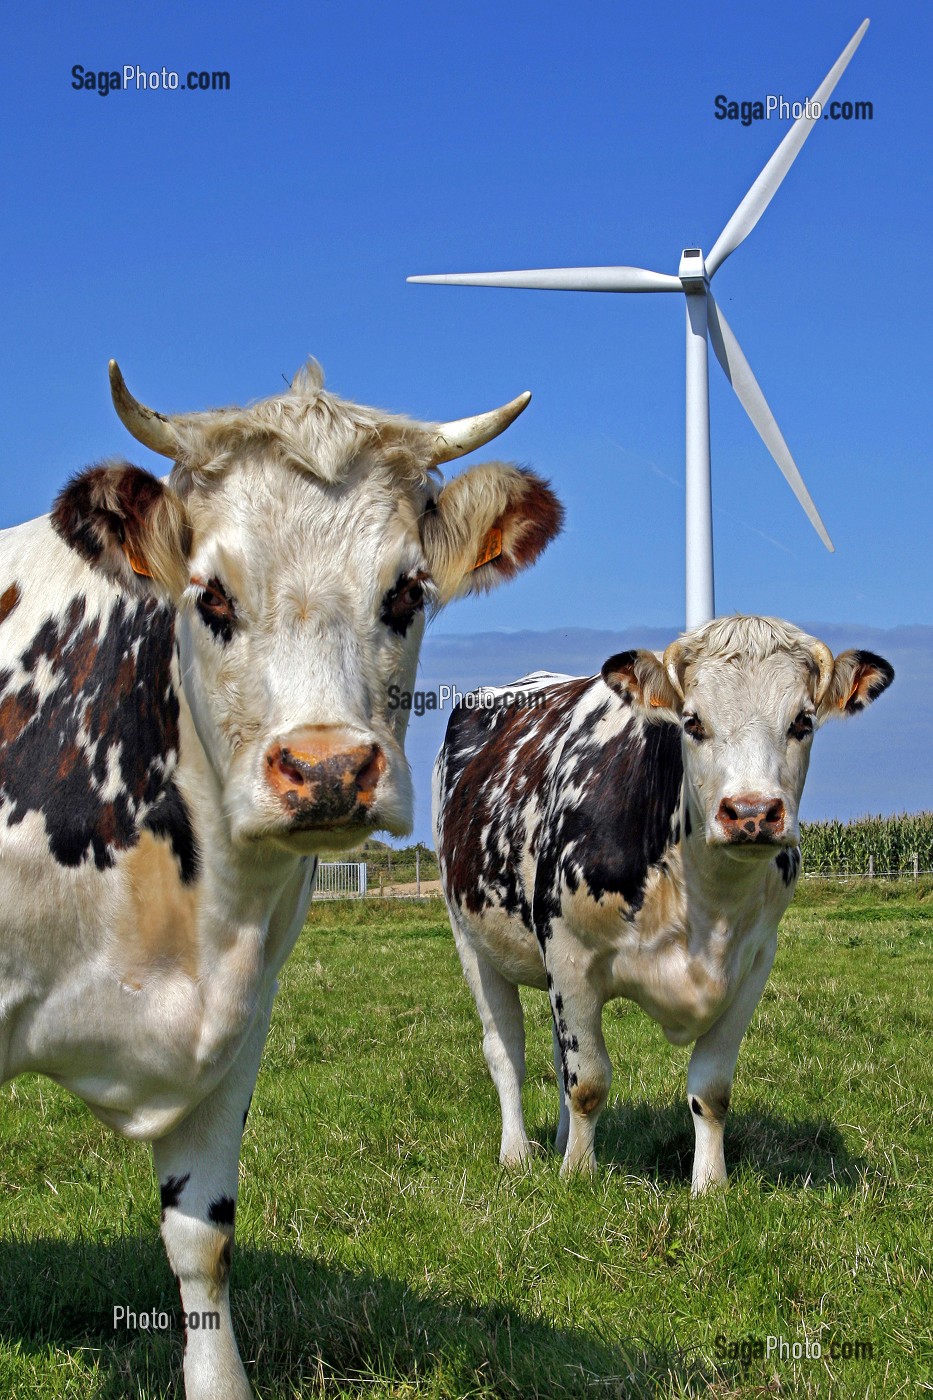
871	867
916	865
364	872
418	870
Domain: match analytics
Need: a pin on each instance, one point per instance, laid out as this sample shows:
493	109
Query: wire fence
872	848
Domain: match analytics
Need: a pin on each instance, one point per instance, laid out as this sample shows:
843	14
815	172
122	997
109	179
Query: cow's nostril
728	813
775	813
372	770
289	770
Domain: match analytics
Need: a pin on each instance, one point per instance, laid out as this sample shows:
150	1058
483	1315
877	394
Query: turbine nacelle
692	271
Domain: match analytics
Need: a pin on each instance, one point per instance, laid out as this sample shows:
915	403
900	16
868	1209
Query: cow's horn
673	663
454	439
825	664
152	429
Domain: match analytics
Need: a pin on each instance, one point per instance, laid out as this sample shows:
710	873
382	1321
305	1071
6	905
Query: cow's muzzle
750	819
323	776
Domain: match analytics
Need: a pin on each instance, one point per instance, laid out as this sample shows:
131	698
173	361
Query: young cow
194	701
635	834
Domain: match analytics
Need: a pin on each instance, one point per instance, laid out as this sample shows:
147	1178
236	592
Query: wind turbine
704	321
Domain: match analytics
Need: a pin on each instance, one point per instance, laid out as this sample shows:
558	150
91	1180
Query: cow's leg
196	1165
577	1007
500	1008
563	1121
712	1066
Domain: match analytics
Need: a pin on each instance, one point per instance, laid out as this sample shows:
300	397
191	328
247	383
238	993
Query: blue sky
210	241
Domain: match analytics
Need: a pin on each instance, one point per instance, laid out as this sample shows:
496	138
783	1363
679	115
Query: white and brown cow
635	834
193	703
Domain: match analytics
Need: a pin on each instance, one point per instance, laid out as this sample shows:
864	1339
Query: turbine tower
705	322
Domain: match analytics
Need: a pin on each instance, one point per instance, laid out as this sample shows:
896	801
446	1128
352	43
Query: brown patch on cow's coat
160	928
15	713
714	1101
8	601
587	1098
220	1261
664	911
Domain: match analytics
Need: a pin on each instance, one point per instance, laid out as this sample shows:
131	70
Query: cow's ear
858	678
486	525
128	524
639	678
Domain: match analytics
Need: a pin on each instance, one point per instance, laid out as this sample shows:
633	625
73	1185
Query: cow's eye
802	726
402	602
216	608
694	727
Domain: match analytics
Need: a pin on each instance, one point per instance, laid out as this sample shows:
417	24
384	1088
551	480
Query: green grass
382	1252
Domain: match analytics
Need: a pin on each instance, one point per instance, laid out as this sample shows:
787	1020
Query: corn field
871	845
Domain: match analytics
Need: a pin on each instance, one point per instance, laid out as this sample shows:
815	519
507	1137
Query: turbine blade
565	279
766	186
738	371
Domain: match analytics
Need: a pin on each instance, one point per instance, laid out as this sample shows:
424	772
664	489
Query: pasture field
382	1252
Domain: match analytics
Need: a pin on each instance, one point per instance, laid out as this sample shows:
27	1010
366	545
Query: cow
634	834
194	678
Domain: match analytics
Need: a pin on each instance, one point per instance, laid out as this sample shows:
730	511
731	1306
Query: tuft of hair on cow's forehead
764	655
306	428
743	639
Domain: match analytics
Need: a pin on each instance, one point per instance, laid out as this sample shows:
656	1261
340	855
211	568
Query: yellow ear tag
136	565
843	704
491	549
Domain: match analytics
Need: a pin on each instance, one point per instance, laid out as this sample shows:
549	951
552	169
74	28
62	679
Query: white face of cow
748	728
748	692
301	573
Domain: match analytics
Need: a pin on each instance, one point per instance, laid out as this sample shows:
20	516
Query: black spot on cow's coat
170	818
222	1211
403	602
170	1191
620	826
788	862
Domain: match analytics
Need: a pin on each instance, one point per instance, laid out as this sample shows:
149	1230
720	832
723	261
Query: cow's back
578	794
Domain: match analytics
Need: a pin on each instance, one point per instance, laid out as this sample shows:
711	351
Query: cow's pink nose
322	776
750	817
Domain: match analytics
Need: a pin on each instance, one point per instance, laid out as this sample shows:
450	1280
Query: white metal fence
341	879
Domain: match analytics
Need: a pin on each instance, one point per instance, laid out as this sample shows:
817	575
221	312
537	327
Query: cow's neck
251	907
